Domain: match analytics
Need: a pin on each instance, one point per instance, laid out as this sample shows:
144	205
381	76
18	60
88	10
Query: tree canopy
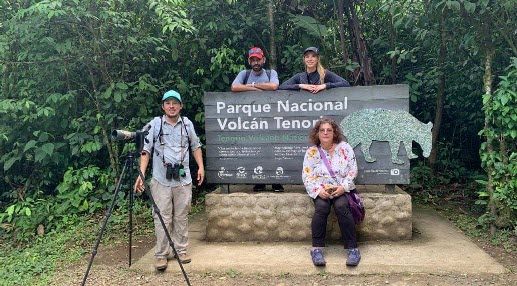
71	71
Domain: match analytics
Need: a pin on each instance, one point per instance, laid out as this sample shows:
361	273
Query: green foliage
232	273
66	245
39	259
73	71
83	191
501	109
449	170
68	71
310	25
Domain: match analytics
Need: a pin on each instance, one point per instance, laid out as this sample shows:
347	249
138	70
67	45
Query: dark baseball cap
312	49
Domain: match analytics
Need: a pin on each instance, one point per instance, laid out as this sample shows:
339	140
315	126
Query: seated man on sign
257	79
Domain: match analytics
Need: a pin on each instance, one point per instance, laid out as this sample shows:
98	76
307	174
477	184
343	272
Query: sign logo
395	172
223	173
241	173
279	171
258	173
258	170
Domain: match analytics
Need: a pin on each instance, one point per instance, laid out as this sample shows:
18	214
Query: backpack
248	72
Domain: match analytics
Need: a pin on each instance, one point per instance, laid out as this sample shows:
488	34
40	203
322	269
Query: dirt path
110	267
119	275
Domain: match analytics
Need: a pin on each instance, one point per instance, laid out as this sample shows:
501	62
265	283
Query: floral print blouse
316	176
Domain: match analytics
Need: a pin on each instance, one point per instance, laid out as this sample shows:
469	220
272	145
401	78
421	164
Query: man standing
169	141
257	79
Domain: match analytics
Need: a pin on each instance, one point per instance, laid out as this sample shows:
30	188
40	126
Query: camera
138	137
174	171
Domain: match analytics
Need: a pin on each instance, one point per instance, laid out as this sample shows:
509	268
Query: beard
257	67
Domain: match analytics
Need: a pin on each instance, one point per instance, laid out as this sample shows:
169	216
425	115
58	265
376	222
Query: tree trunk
363	76
440	95
342	31
393	37
272	42
487	84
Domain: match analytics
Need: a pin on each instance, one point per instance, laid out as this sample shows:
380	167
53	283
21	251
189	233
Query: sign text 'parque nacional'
261	137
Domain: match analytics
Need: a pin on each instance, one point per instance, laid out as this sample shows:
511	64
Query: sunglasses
255	51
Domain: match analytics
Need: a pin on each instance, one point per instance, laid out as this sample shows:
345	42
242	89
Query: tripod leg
157	211
108	215
131	205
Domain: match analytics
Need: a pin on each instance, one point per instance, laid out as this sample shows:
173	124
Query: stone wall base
244	215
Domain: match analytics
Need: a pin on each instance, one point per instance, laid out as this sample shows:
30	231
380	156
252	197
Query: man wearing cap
256	80
315	78
168	142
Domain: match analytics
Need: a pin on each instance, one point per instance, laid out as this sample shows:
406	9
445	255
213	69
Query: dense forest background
72	71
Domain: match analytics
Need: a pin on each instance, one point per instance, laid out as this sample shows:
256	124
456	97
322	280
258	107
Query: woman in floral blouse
327	190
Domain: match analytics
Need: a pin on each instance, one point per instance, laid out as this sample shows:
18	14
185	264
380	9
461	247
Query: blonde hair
319	68
321	71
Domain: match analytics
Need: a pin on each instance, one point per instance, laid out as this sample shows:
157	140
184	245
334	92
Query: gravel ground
119	275
110	267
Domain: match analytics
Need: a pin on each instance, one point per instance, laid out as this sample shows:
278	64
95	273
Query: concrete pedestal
244	215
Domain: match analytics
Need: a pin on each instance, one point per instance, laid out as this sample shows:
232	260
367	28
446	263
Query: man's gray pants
174	204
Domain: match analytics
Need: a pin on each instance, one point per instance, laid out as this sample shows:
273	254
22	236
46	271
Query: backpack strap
186	131
248	72
156	136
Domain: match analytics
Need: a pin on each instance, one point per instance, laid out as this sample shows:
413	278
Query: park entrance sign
261	137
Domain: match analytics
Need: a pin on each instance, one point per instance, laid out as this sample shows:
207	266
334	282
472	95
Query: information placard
261	137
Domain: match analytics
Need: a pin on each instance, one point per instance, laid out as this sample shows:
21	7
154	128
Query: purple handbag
354	200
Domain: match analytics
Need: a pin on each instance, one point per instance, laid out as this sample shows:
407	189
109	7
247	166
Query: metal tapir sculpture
394	126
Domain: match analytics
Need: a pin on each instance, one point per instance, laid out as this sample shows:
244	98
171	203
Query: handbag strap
326	161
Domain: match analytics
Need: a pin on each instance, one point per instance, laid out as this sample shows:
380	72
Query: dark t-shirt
331	80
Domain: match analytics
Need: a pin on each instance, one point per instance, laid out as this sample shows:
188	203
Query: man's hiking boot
160	263
184	258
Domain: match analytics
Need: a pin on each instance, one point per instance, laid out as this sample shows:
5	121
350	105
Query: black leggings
344	218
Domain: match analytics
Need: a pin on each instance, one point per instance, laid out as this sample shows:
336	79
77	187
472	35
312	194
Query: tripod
129	164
